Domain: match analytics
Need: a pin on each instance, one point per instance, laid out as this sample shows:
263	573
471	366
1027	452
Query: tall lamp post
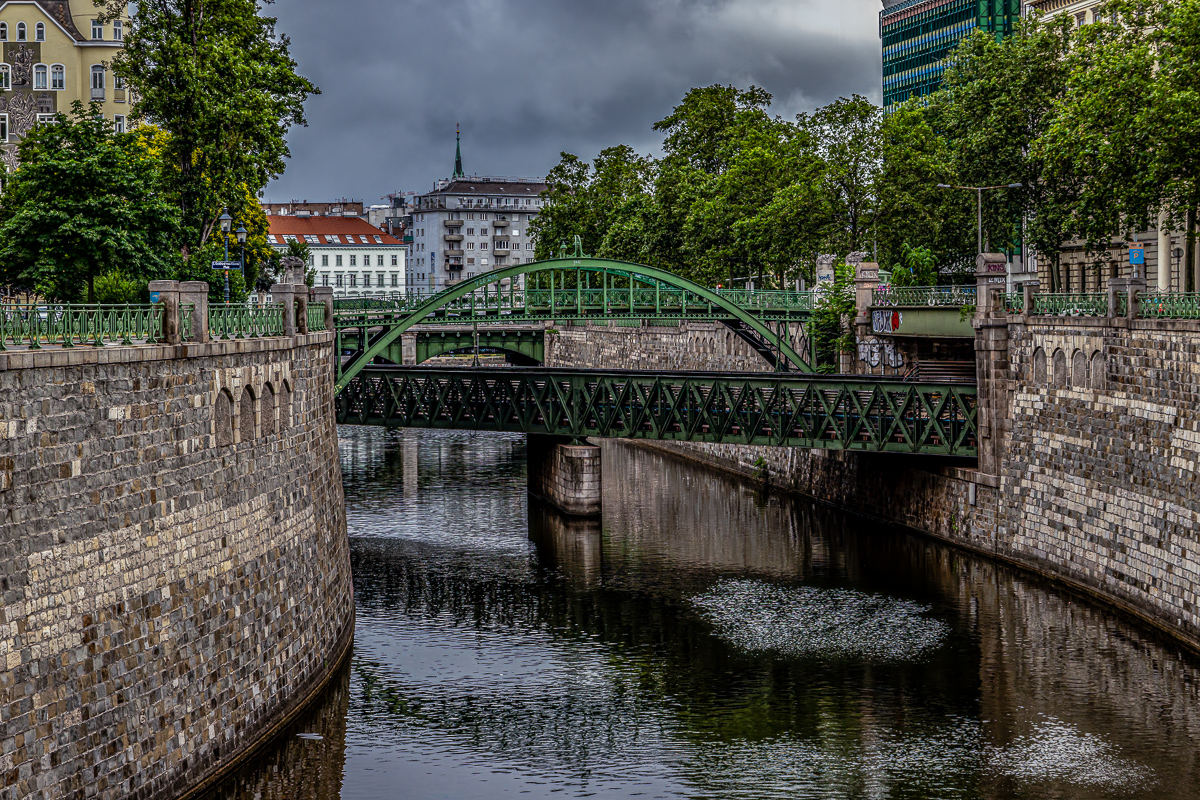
225	221
241	237
979	190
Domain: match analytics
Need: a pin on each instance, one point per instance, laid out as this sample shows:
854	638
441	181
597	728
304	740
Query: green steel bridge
570	289
787	409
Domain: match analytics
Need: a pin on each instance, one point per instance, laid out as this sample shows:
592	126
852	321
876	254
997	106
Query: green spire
458	170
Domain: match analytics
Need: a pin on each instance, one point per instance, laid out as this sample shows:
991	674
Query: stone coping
83	355
1137	324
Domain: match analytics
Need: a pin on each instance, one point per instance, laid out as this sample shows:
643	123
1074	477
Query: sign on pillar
1137	259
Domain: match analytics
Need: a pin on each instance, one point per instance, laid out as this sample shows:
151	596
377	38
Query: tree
85	202
218	79
832	318
847	136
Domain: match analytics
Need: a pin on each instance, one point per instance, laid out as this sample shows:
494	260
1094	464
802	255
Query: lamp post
225	221
241	237
979	190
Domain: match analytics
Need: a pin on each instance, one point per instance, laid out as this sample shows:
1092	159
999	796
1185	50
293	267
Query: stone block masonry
564	474
176	574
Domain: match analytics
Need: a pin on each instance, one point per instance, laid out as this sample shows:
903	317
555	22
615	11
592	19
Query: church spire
458	170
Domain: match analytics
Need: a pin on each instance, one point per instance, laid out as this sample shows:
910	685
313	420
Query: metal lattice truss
580	288
840	413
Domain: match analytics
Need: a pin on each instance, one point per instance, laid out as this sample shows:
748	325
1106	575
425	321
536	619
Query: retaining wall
176	578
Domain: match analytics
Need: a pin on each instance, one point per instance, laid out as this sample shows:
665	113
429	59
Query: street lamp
979	190
225	221
241	237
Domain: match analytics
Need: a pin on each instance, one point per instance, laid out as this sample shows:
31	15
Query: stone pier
565	475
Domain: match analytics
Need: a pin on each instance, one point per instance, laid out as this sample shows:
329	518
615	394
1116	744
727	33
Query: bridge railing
244	320
1169	305
33	325
891	295
1069	304
316	318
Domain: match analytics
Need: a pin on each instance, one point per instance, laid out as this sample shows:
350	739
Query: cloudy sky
530	78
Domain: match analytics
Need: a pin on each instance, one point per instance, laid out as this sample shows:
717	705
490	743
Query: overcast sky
530	78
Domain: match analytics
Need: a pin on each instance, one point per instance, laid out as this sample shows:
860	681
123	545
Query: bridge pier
565	475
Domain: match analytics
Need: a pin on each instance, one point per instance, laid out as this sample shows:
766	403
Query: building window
353	260
483	231
337	279
118	34
338	260
118	82
394	260
97	29
325	276
47	119
379	260
379	279
5	77
40	77
470	261
39	32
20	31
367	279
483	245
58	77
325	261
3	31
395	279
118	124
97	82
353	278
3	127
470	245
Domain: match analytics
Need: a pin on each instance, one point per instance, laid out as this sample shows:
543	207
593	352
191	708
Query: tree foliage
85	203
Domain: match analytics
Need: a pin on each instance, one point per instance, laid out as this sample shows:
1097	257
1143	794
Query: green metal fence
1014	302
316	318
185	321
890	295
34	325
245	321
1169	305
1070	304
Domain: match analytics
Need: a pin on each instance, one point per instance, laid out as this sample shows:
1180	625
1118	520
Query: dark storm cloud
530	78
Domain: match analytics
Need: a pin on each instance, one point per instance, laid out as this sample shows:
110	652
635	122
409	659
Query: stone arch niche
246	421
223	418
270	425
1079	370
1039	367
1059	362
285	405
1099	370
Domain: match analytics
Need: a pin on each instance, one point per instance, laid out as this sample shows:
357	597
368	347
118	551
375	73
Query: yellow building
53	54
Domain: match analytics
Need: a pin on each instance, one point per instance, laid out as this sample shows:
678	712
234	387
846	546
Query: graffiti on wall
885	320
880	351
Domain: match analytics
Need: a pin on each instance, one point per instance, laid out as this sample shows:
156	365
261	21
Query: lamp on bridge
226	221
241	237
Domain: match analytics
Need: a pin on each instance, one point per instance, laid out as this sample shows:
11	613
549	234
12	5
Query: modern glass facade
918	35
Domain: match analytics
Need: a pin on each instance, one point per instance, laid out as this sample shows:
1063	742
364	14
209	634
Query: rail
34	325
891	295
316	318
1070	304
244	321
1169	305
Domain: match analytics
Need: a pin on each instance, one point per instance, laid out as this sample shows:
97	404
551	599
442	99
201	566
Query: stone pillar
1130	287
991	360
565	475
1164	252
167	293
196	293
1028	290
301	299
866	278
283	293
324	296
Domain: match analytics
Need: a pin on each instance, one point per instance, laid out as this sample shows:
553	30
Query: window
1081	19
483	245
311	239
470	245
470	261
394	261
379	260
353	260
338	259
483	231
325	277
367	279
377	239
118	124
3	31
3	127
20	31
97	29
40	77
325	261
379	279
47	119
395	278
97	82
118	82
353	276
118	34
39	32
58	77
5	76
331	239
337	279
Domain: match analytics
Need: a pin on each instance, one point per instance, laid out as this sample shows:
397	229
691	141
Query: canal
706	641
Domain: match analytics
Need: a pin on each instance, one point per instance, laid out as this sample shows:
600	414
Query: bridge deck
802	410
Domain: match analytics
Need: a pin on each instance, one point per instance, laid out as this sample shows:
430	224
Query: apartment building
348	253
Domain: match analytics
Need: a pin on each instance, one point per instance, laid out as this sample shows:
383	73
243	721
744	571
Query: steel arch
584	263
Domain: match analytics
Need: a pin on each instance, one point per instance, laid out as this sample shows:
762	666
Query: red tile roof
323	226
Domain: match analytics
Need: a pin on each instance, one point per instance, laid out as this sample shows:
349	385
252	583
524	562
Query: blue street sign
226	265
154	297
1137	254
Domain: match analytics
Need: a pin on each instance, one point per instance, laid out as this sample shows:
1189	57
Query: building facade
918	35
348	253
55	52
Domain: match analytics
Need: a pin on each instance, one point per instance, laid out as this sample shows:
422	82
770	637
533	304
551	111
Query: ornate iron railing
316	318
845	413
1073	304
891	295
70	324
1168	305
244	321
185	320
1014	302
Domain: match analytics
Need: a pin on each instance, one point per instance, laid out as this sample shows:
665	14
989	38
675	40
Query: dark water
706	642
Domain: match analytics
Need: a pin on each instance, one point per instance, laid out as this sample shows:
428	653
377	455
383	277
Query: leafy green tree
848	139
832	320
218	79
85	202
918	267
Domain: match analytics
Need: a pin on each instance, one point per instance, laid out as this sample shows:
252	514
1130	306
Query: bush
113	287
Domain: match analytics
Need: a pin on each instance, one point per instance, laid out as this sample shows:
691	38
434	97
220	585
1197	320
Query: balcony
499	223
455	254
97	93
453	237
454	223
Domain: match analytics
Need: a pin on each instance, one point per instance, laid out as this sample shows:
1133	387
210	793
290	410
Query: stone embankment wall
176	579
1092	475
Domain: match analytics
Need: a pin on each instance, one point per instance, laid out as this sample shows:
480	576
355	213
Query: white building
348	253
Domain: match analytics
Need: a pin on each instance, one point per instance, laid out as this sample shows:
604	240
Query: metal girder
474	300
840	413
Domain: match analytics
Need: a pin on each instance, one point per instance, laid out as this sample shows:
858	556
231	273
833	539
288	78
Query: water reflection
503	649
